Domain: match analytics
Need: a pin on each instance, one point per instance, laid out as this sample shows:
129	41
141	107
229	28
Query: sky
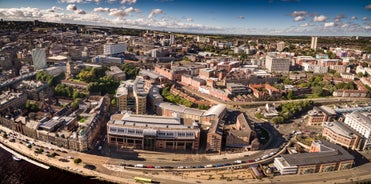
246	17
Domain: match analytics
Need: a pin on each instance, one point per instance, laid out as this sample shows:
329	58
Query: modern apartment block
132	96
156	133
360	122
140	96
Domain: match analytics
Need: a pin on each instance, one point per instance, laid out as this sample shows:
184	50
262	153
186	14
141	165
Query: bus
142	180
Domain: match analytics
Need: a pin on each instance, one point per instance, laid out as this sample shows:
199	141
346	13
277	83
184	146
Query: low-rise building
316	117
263	91
12	100
241	135
340	133
116	73
323	157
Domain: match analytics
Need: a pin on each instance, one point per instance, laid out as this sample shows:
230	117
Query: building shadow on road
359	158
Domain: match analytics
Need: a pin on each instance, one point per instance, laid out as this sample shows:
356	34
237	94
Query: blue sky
267	17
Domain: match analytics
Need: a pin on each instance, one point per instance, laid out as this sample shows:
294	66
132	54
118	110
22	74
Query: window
113	129
170	134
181	134
161	133
131	131
190	134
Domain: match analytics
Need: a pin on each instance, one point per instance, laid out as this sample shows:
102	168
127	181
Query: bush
77	161
29	146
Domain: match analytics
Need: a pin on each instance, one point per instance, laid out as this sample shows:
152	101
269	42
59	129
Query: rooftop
215	110
363	118
337	154
340	128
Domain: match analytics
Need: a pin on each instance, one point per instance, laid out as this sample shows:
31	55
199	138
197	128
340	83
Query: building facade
156	133
277	64
360	122
114	48
341	134
323	157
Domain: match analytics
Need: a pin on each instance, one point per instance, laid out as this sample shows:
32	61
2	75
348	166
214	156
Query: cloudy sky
267	17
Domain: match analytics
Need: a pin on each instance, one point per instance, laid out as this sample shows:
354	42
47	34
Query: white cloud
80	1
320	18
306	25
118	12
71	7
54	9
189	20
241	17
299	13
131	9
20	13
71	1
368	7
95	1
155	12
80	12
299	18
100	9
128	1
353	18
329	24
364	18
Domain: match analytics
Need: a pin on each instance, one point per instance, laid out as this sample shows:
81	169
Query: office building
339	133
276	62
114	48
156	133
39	58
360	122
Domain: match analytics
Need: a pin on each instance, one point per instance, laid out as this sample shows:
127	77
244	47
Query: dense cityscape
127	105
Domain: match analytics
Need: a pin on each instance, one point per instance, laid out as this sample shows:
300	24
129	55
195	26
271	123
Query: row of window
159	133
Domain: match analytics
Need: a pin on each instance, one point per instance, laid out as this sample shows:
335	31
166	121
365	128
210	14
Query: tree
290	95
359	74
77	160
114	101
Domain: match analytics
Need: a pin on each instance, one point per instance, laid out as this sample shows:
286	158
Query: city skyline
265	17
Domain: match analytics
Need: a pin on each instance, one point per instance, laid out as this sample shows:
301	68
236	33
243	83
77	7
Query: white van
139	165
238	161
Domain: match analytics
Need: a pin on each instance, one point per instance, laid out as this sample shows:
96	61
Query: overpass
15	80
